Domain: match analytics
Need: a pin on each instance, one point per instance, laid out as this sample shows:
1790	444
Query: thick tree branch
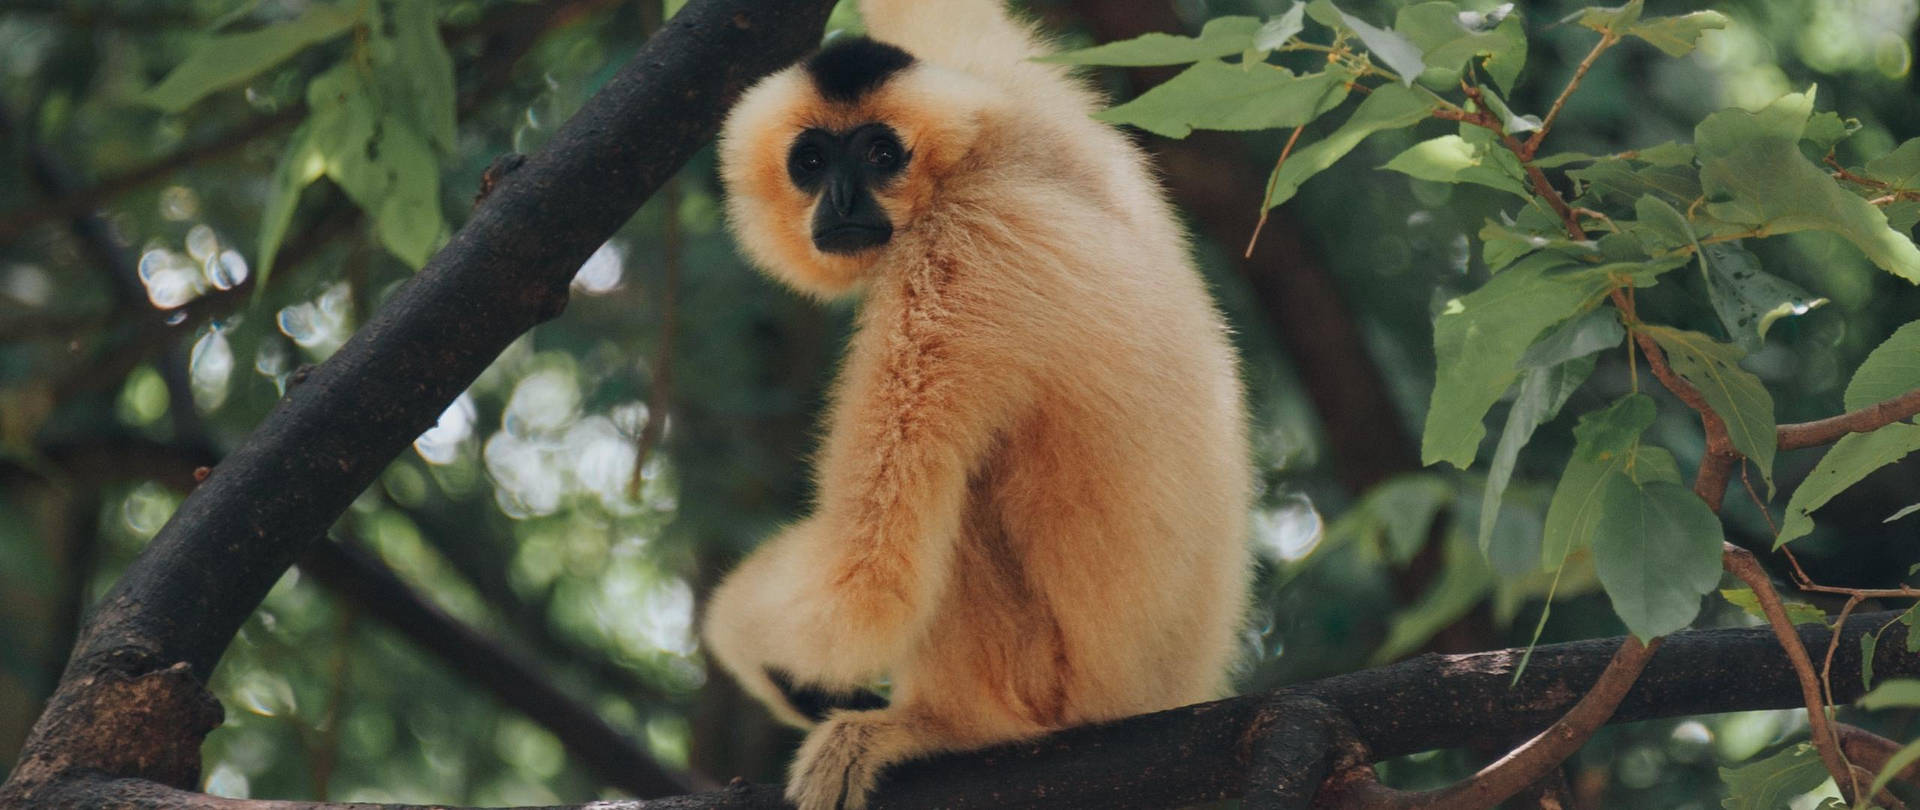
1208	752
178	605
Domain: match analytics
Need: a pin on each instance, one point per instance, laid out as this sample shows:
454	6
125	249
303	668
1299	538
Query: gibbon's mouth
851	238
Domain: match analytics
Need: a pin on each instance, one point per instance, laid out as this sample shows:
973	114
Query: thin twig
1524	765
1266	203
1870	418
660	394
1532	145
1743	565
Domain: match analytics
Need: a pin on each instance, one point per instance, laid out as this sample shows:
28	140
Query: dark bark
153	641
1211	751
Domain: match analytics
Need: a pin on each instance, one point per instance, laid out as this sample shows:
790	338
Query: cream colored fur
1034	476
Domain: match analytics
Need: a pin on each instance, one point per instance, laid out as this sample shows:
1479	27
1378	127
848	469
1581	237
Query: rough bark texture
175	610
1212	751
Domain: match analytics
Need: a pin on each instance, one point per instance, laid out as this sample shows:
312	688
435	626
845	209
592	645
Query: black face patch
842	170
851	67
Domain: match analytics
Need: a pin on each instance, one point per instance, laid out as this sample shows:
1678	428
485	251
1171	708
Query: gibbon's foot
841	760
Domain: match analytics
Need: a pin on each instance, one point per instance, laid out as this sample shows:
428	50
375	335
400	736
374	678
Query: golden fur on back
1033	482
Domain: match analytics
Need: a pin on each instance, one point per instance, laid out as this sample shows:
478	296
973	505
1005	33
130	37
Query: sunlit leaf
1451	159
1772	783
1221	36
1278	30
1852	458
225	60
1899	693
1392	49
1448	37
1901	759
1753	174
1389	106
1797	612
1215	95
300	164
1825	129
1891	369
1677	36
1737	396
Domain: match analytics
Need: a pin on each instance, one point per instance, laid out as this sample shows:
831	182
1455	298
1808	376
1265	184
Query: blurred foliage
514	513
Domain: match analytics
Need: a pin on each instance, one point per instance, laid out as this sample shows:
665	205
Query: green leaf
1619	178
1502	244
1733	392
1389	106
1451	159
1772	783
408	221
1753	174
1869	644
1604	19
1797	612
1657	550
1542	392
1657	216
1404	508
1577	500
1596	331
226	60
1850	459
1676	36
1910	509
1891	369
1748	299
1478	341
1895	764
1278	30
300	164
418	82
1615	429
1900	168
1221	36
1449	37
1666	154
1464	580
1402	56
1215	95
1899	693
1825	129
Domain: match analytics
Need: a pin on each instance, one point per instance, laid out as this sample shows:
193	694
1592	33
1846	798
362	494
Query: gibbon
1032	486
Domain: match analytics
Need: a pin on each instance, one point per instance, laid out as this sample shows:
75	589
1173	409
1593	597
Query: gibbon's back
1033	478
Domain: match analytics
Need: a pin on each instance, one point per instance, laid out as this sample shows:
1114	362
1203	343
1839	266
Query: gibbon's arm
978	37
918	413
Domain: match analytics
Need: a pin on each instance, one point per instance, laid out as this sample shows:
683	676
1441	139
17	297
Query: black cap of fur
851	67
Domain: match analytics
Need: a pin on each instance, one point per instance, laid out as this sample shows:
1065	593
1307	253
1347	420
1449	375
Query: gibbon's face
833	161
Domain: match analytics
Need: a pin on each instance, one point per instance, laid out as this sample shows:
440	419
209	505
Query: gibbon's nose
848	219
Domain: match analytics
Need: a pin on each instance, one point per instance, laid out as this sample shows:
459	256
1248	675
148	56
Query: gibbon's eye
883	153
807	159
